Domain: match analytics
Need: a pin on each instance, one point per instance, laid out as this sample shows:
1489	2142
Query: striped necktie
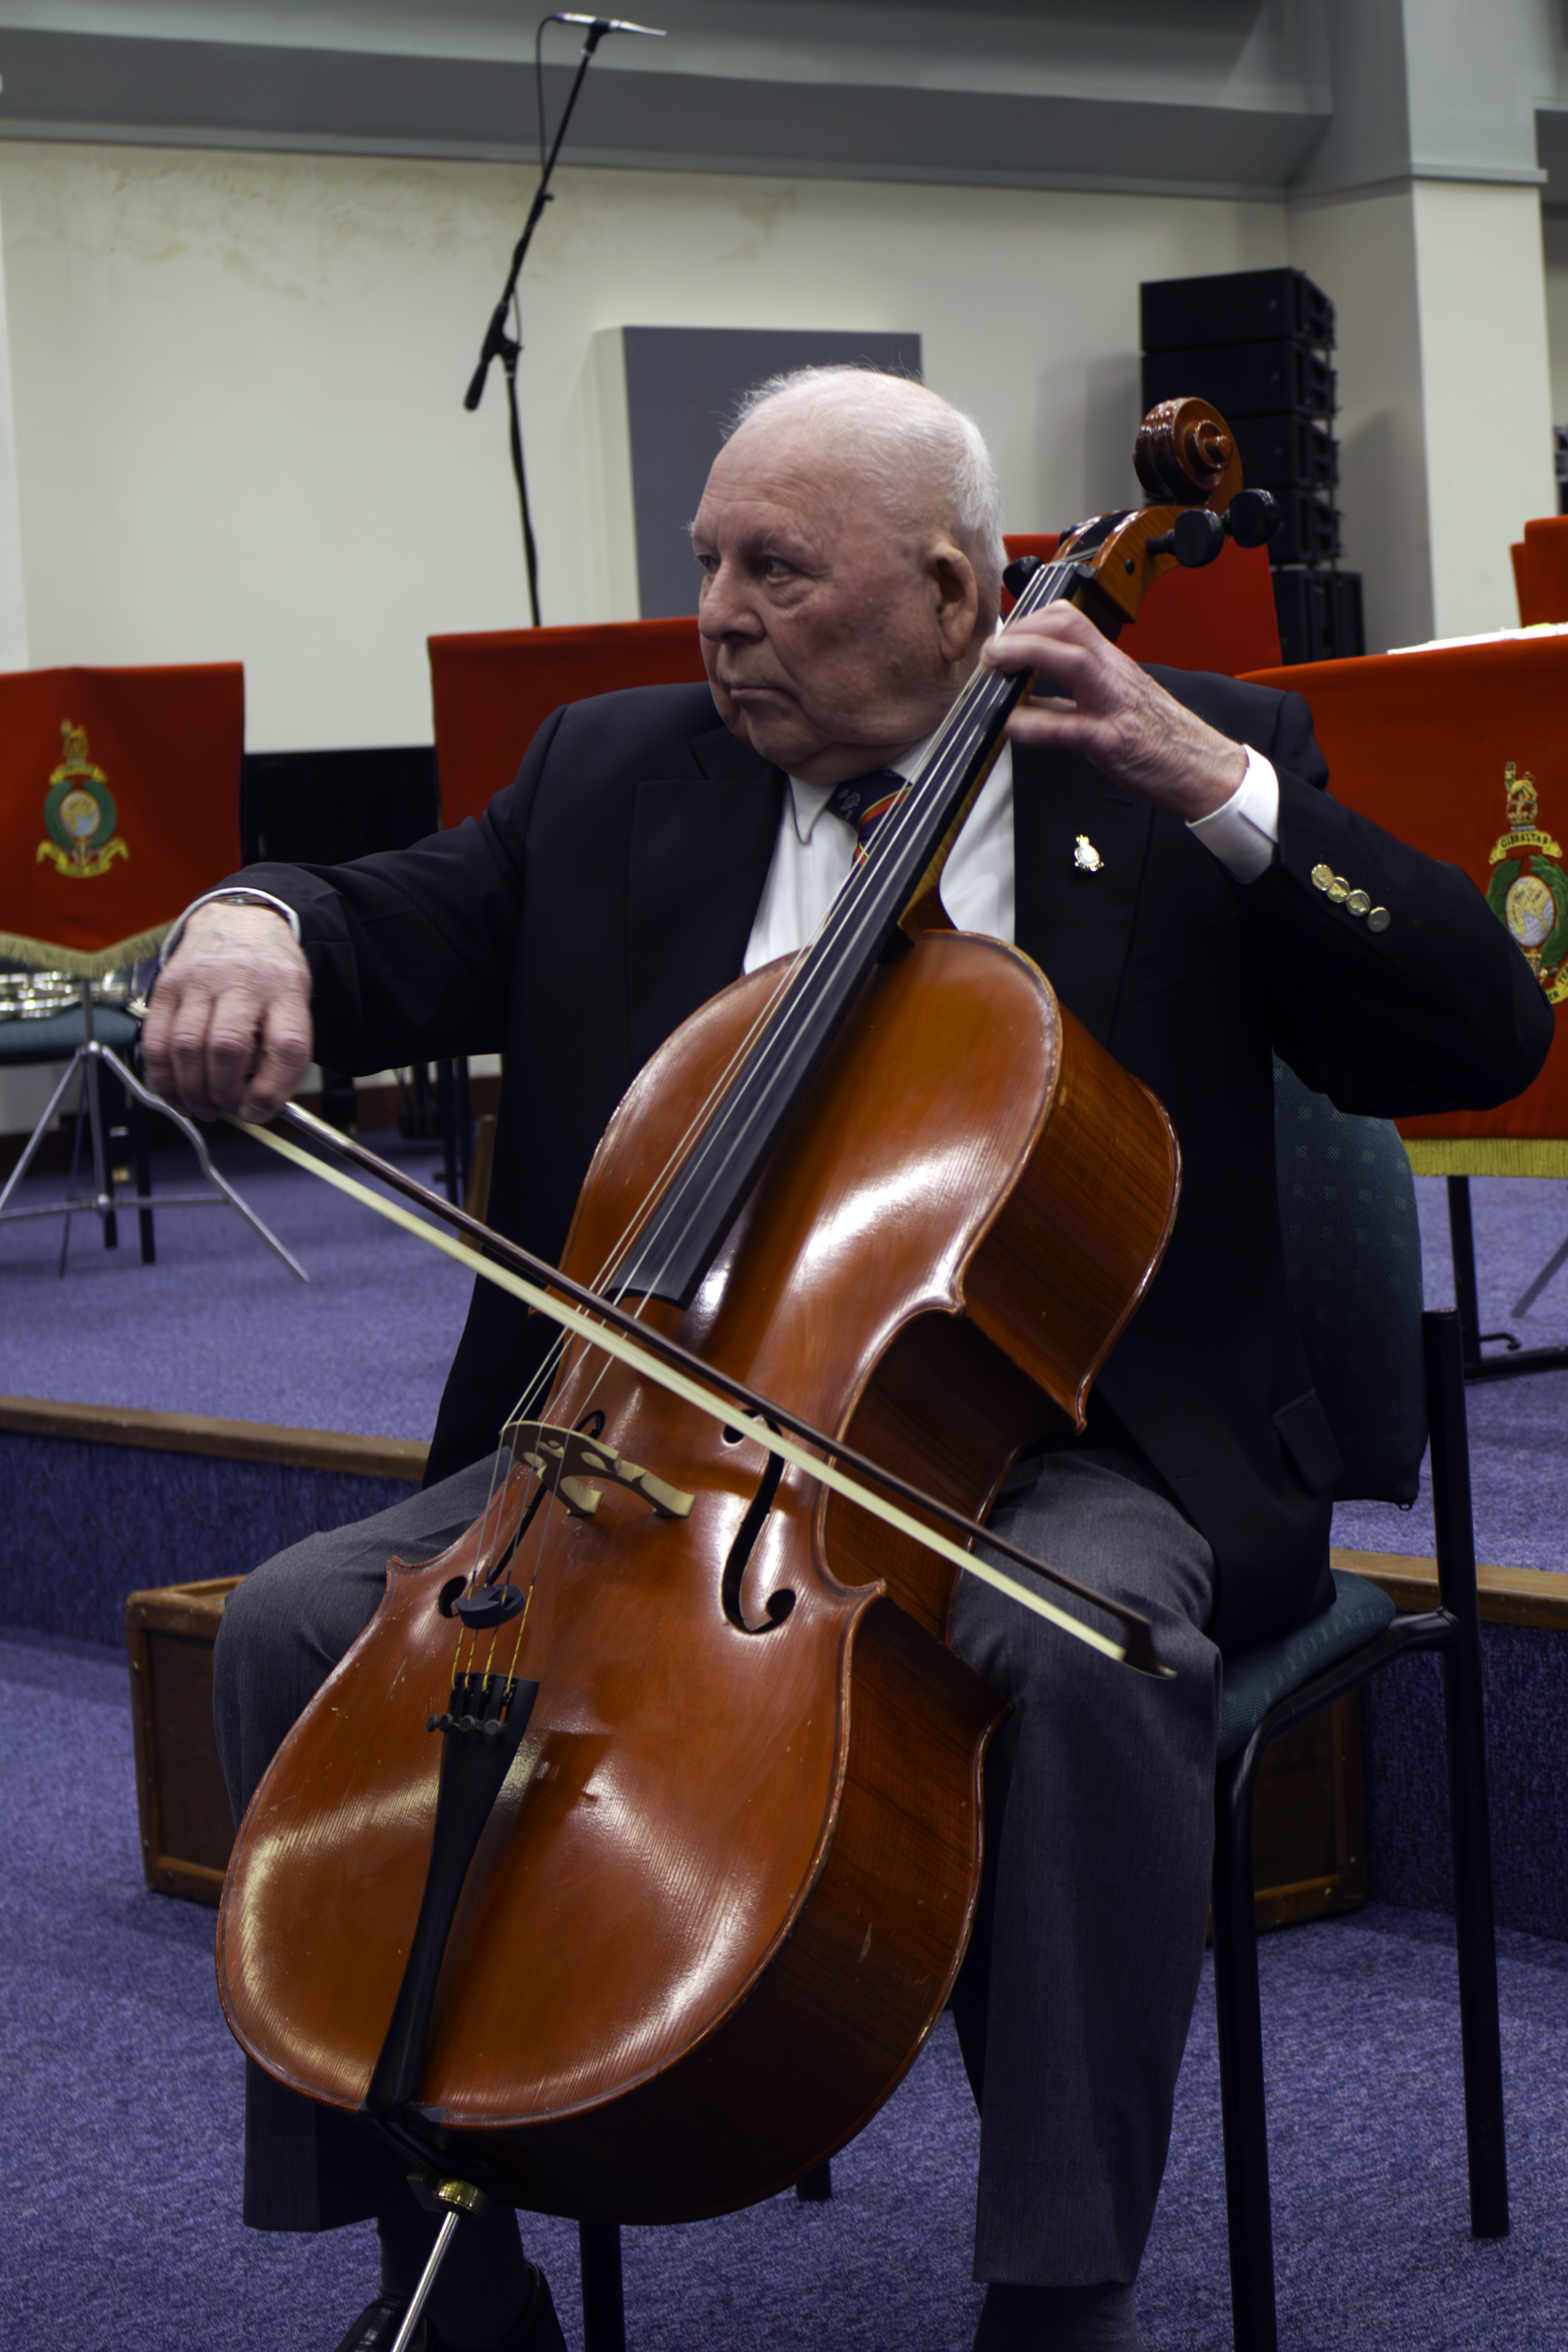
863	802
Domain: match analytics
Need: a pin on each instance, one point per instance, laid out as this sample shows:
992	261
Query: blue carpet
1524	1676
121	2149
218	1326
1519	1429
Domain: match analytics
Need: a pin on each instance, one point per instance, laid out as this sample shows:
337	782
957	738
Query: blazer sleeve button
1379	919
1321	877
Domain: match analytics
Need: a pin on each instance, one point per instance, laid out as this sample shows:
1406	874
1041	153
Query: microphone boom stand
500	344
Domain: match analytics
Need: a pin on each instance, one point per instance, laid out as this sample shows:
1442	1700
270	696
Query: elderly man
654	845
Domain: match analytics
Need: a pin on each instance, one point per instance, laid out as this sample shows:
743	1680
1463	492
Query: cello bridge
568	1461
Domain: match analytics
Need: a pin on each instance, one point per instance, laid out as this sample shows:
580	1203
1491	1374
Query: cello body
722	1896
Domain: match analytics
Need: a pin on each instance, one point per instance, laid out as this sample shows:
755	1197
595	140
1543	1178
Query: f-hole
740	1551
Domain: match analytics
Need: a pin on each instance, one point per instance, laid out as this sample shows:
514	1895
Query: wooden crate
188	1828
1308	1819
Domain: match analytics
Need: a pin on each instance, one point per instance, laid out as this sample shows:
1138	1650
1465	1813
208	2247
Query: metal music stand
93	1057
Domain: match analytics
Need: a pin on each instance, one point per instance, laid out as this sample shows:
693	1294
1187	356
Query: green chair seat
1262	1677
57	1036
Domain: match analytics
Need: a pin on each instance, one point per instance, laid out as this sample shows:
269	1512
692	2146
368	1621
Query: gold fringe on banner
1486	1155
40	955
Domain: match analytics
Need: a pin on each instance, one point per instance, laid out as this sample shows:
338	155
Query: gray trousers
1074	2001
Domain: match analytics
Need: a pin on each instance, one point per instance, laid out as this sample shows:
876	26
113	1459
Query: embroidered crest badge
79	813
1529	890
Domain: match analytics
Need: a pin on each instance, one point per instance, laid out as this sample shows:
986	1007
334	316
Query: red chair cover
492	691
1541	570
1464	753
1221	618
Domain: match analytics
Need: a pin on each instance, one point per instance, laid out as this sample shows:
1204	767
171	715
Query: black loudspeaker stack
1259	344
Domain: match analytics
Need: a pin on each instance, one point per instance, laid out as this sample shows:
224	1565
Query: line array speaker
1258	342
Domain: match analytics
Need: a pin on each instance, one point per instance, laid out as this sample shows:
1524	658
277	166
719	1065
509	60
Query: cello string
849	913
906	814
846	913
729	1414
688	1213
637	1218
842	907
856	906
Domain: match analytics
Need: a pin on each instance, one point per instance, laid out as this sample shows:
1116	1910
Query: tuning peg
1016	575
1196	539
1252	517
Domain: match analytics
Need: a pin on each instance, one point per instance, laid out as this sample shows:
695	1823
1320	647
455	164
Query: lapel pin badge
1086	858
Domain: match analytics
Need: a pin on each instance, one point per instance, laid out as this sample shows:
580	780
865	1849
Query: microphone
603	25
498	343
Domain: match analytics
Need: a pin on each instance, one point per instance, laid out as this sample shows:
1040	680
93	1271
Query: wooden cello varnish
723	1895
677	1933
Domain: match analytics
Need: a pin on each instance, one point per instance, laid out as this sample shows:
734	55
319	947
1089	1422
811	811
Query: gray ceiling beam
96	87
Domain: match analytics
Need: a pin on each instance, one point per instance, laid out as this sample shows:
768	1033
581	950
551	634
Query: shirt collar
807	801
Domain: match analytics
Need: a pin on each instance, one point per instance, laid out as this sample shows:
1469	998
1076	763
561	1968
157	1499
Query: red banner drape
1463	751
118	804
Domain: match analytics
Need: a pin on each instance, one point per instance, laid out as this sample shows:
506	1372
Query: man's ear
957	598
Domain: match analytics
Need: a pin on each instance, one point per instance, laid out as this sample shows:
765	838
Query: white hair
914	446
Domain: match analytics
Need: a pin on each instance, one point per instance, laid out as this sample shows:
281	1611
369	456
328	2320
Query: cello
625	1861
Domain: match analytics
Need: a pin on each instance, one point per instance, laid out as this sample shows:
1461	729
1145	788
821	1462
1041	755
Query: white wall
1445	385
13	652
238	382
1487	392
1362	249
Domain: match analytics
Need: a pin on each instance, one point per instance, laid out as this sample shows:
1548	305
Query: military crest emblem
79	813
1528	890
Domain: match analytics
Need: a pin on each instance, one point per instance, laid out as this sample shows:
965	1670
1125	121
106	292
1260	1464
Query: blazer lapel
701	846
1077	925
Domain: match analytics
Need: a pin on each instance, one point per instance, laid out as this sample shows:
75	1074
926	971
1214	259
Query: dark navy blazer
611	889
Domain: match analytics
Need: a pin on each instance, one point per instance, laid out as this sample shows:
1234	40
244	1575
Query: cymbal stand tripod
92	1058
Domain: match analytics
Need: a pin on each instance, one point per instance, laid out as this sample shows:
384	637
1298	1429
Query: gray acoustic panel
682	387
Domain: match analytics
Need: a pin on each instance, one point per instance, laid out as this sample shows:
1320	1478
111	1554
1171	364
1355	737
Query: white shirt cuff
237	895
1244	832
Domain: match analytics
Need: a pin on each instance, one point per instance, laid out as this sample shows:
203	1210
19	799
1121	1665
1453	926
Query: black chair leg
1462	1246
464	1094
456	1101
815	2187
1443	1340
1239	2015
603	2300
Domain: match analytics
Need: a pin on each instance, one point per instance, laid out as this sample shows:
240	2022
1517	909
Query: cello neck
705	1190
1185	456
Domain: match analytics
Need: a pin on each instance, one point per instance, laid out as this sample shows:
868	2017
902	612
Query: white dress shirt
815	849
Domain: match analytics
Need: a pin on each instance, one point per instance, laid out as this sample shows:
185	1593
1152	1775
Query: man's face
833	639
